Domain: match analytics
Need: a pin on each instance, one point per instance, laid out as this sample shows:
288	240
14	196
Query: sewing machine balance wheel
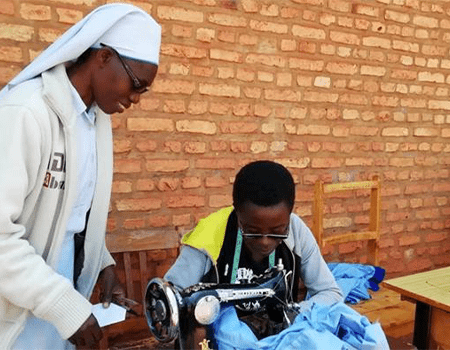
161	310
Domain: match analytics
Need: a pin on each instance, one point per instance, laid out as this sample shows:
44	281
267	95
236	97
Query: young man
237	244
56	173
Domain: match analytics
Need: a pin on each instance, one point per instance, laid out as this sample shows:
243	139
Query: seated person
238	244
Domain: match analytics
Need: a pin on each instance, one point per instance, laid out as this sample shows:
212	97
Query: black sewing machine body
173	313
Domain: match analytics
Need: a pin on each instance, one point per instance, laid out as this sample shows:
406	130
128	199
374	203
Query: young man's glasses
252	235
137	85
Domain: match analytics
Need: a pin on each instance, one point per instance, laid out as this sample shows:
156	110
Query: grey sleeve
189	268
314	271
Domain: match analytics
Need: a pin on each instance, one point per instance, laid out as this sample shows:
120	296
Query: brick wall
333	89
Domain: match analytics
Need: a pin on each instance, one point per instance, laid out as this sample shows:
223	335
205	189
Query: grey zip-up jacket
194	263
37	188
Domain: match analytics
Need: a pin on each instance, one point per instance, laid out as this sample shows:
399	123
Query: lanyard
237	256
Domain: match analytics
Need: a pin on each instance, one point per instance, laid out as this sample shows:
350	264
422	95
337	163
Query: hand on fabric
302	306
110	287
88	335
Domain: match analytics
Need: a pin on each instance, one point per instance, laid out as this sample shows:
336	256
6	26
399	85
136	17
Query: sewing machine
171	312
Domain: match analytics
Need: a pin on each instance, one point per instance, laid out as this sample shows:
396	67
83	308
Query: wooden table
431	293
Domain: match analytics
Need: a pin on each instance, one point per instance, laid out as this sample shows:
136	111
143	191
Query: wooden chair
395	315
372	235
136	264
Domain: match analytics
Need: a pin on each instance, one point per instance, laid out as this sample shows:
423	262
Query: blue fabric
335	327
355	280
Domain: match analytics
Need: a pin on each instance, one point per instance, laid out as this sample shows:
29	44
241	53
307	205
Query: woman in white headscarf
56	174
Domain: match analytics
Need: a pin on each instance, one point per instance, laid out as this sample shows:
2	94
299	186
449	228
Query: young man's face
269	225
115	90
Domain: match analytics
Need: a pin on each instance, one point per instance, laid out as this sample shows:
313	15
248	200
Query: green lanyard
237	256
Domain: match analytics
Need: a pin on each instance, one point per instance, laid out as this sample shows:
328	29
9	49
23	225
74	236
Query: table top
431	287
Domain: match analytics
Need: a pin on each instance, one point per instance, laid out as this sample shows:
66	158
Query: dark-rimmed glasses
137	85
284	235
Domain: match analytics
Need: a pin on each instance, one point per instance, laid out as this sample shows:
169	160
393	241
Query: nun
56	161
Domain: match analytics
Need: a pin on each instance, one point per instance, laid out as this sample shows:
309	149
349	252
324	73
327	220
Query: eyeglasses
283	235
137	85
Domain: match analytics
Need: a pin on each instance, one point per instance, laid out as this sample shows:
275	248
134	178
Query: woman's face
114	91
273	221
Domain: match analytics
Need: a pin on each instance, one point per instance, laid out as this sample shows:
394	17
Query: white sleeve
316	275
26	280
189	268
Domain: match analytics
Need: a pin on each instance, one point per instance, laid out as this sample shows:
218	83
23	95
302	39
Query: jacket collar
56	89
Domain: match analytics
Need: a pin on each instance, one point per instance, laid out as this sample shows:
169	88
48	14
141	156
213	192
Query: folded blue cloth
356	279
335	327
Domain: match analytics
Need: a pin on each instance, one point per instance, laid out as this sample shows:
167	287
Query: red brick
219	201
350	247
11	54
179	14
238	127
222	163
121	187
127	166
202	71
181	220
266	60
6	7
308	32
167	166
427	214
216	182
49	35
185	201
158	221
340	5
168	184
224	55
326	162
35	12
173	86
353	99
172	147
397	216
181	31
16	32
227	20
219	90
111	224
145	185
409	240
138	204
436	237
195	147
132	224
239	147
265	26
417	188
218	145
70	16
191	182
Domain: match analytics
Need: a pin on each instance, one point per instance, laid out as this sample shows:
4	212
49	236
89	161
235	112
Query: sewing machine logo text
56	169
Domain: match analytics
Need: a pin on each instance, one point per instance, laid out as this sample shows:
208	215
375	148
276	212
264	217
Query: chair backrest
372	235
135	259
139	257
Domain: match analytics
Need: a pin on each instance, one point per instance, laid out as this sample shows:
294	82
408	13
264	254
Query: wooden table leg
421	325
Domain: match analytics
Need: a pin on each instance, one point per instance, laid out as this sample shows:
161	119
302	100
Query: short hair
264	183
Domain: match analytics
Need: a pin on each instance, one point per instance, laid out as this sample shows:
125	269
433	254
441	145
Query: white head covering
126	28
